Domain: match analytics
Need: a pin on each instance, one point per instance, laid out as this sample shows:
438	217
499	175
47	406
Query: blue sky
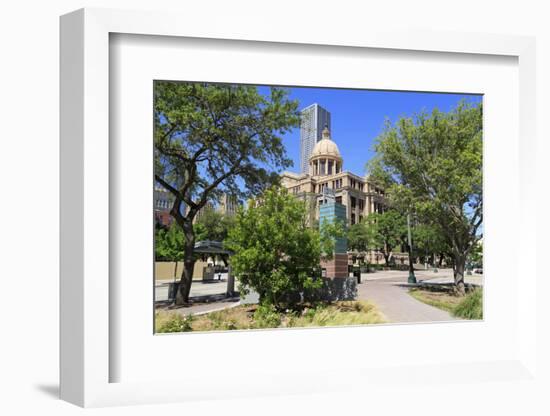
357	117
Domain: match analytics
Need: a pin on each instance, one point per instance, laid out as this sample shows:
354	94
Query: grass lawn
256	317
467	307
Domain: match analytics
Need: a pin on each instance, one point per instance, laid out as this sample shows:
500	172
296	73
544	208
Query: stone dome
325	158
326	147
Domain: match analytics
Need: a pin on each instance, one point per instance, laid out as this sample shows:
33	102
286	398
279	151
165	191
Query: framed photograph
343	220
292	211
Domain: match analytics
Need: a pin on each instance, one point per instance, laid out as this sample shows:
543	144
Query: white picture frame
86	352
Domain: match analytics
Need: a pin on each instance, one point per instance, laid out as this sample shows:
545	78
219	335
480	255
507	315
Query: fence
166	270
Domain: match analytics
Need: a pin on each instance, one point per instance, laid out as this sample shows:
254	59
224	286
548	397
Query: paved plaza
207	296
198	288
388	290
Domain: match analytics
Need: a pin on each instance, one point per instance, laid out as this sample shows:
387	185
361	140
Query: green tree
429	241
211	139
169	245
431	164
275	250
213	225
387	230
476	254
330	232
360	237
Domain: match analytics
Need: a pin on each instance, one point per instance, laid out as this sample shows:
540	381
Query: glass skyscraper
313	119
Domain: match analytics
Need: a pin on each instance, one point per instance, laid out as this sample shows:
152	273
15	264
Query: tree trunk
182	296
460	263
440	260
230	292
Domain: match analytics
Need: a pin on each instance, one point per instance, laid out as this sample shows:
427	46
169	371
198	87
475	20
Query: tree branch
214	184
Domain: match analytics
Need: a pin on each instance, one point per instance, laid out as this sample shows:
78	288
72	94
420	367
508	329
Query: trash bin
357	274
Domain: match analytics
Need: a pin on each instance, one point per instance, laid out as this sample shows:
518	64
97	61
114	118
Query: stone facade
360	196
226	205
163	201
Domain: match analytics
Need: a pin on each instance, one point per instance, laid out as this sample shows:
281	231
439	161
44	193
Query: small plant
266	317
323	317
231	325
309	313
217	320
177	323
471	307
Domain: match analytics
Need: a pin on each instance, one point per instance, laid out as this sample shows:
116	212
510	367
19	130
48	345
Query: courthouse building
326	171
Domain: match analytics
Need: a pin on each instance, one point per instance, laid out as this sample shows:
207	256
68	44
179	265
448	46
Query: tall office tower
313	119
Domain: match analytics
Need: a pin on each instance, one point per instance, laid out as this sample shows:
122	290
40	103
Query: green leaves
212	140
275	252
435	156
429	239
431	165
360	237
384	231
329	233
219	138
213	225
169	243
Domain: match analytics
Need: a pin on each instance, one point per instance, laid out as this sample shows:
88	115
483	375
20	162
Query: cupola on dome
325	158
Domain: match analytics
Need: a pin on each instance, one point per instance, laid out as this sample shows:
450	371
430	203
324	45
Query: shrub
340	313
177	323
471	307
309	314
221	320
275	250
266	316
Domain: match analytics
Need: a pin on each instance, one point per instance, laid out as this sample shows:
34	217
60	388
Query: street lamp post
412	277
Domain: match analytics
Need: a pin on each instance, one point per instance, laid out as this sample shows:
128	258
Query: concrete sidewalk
201	308
198	288
388	291
207	296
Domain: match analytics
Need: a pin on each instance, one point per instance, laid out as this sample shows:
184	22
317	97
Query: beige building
226	205
229	205
326	171
163	201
